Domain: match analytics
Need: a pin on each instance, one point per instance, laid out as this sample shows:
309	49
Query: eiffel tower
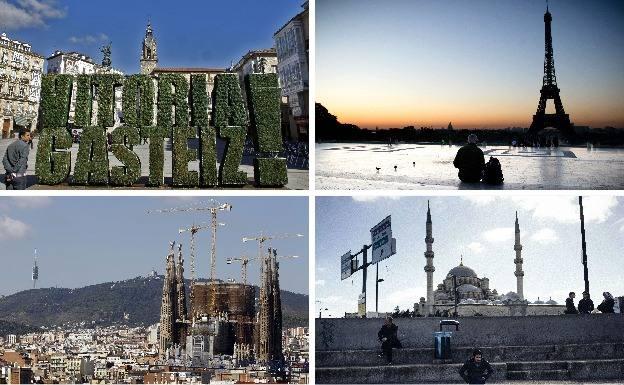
559	120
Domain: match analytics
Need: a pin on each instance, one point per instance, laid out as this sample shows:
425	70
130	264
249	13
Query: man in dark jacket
15	161
388	337
570	308
476	370
470	161
607	305
586	305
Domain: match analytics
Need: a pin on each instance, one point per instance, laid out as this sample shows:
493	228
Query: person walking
476	370
387	335
606	306
470	161
586	305
15	162
570	308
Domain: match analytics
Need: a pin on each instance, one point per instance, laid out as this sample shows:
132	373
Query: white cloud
545	236
480	200
475	247
88	39
499	234
29	13
372	198
12	228
320	282
566	209
26	202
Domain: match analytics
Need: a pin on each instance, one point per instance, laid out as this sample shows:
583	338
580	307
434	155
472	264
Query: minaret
518	261
168	308
429	269
181	314
149	57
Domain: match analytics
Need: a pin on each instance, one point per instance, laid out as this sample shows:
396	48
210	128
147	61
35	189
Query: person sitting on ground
388	337
476	370
607	305
15	161
570	308
586	305
470	161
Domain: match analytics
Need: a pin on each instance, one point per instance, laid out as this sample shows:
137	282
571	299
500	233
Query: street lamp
377	280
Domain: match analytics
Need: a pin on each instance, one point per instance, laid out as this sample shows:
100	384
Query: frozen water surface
351	166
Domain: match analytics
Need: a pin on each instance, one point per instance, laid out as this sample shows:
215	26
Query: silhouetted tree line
328	128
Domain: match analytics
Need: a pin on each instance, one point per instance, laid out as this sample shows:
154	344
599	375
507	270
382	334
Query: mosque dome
551	302
538	302
462	271
467	288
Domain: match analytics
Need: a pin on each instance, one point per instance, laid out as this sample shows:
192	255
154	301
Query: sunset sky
475	63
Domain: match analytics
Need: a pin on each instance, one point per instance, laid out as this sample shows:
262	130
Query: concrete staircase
569	362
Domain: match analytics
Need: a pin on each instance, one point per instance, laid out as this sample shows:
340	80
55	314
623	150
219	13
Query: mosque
474	295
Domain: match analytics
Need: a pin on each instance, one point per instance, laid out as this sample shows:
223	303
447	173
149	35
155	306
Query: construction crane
244	260
213	208
263	238
193	230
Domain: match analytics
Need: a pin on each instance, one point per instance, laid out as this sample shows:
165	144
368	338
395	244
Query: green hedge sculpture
168	98
138	101
156	135
53	166
84	101
182	155
92	160
124	138
229	116
105	85
55	100
208	156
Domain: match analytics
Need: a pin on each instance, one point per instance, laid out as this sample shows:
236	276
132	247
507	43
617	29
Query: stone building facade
20	86
292	45
76	63
256	61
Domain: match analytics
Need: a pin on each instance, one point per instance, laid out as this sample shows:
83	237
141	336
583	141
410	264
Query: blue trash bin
442	340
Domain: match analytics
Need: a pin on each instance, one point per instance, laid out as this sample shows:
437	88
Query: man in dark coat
570	308
15	162
476	370
586	305
607	305
388	337
470	161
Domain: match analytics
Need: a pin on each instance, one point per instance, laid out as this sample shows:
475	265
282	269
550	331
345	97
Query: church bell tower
149	57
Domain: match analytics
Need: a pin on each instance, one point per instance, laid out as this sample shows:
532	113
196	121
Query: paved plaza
353	166
297	178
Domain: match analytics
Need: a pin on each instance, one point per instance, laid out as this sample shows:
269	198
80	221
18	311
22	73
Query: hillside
107	303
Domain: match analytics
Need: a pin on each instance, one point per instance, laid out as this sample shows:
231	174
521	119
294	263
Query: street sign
362	305
383	245
346	267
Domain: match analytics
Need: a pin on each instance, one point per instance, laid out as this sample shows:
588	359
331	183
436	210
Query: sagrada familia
223	317
473	295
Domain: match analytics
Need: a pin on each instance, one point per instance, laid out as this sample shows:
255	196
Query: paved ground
351	166
297	179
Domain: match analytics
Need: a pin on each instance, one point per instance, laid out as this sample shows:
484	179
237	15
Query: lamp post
584	246
377	280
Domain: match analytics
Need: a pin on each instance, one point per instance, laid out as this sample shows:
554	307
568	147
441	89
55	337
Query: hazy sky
482	229
476	63
87	240
189	33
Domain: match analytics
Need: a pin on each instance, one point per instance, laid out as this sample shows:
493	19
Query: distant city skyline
191	33
479	228
83	241
477	64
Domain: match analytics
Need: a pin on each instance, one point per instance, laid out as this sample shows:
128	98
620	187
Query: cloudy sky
481	228
476	63
88	240
189	33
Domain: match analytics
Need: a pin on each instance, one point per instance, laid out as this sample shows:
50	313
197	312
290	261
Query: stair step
539	375
537	365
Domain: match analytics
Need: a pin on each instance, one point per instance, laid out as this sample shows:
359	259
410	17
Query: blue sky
480	228
476	63
189	33
89	240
